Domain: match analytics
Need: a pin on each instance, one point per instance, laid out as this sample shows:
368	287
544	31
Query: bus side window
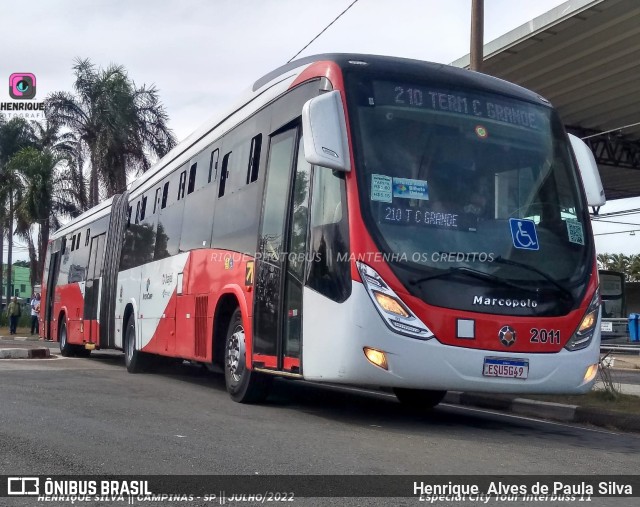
129	217
165	194
213	165
192	178
137	213
328	271
143	207
254	159
156	201
224	174
183	180
86	239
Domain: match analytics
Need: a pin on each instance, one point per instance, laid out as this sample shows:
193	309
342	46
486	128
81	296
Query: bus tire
243	385
419	399
133	359
66	349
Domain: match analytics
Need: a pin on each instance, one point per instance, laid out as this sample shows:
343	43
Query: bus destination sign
499	109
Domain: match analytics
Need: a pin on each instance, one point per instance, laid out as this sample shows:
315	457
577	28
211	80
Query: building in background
20	282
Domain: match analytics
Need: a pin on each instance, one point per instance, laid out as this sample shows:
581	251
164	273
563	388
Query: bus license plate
505	367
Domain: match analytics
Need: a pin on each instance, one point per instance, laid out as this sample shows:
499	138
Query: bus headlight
390	304
396	315
584	334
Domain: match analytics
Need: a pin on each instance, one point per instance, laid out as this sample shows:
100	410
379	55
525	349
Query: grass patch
596	399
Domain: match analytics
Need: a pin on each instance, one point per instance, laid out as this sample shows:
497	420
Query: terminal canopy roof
583	56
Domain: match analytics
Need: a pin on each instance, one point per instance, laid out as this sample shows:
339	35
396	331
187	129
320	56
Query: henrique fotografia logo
23	486
22	88
22	85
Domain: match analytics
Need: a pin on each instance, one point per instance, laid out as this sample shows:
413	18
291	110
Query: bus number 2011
551	336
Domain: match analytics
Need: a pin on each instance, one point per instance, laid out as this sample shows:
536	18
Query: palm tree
15	134
604	259
620	262
47	193
633	274
119	125
65	146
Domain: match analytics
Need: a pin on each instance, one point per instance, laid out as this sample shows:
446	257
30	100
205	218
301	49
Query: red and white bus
352	219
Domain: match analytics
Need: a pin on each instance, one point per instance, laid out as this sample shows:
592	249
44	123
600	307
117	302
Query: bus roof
408	66
89	216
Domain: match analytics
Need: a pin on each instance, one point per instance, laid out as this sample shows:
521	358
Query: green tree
50	136
633	274
604	260
47	193
15	134
120	126
619	262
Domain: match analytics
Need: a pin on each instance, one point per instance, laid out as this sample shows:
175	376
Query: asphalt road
89	416
626	377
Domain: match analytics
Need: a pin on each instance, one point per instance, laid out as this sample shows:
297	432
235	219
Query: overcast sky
201	54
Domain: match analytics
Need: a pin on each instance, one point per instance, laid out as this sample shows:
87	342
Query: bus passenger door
52	280
281	256
92	289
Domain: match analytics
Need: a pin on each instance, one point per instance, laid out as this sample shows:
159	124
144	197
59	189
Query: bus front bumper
335	335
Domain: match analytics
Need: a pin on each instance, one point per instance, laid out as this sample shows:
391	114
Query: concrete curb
608	418
547	410
21	338
34	353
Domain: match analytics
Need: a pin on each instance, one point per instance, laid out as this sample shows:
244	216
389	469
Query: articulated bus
354	219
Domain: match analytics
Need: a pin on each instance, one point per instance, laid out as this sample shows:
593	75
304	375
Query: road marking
473	409
349	388
513	416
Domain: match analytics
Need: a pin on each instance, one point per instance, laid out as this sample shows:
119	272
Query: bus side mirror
589	172
325	132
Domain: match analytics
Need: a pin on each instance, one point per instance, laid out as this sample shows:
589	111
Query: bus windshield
453	179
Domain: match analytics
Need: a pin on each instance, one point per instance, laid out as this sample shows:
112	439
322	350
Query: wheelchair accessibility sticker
523	233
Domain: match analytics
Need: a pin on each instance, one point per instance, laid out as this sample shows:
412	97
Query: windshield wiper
472	273
561	288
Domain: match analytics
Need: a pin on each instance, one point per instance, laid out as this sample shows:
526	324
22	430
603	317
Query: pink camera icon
22	85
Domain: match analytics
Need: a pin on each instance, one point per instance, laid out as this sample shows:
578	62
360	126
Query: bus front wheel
243	385
419	399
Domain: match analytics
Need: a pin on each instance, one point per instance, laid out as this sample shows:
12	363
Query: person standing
35	313
13	311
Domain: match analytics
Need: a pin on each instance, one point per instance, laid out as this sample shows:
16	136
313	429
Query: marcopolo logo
22	85
514	303
23	486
